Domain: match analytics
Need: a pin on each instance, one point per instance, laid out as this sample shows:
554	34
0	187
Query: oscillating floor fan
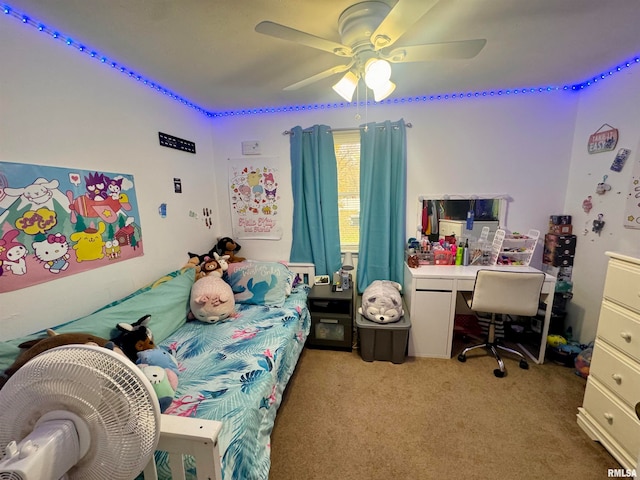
77	412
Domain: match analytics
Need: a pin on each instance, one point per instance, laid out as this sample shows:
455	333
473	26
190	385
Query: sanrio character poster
56	222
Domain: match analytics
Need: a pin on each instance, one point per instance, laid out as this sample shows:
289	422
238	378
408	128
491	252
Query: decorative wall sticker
603	187
598	224
587	205
56	222
632	208
621	157
254	198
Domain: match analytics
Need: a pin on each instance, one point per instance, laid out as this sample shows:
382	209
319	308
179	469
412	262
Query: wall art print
254	198
56	222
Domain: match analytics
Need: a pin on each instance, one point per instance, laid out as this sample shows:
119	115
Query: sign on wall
254	198
56	222
603	140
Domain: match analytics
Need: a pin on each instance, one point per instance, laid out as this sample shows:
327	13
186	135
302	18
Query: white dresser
613	386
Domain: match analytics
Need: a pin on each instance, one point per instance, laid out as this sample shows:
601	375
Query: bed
232	373
235	372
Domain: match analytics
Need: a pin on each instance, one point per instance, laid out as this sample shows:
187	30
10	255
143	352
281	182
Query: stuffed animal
161	369
381	302
158	357
227	246
211	300
210	267
35	347
134	338
194	262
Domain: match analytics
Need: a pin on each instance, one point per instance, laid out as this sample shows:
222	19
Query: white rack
513	249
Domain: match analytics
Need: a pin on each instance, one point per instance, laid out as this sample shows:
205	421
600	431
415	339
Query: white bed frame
181	436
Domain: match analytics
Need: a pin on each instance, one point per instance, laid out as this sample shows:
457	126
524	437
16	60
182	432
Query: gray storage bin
383	341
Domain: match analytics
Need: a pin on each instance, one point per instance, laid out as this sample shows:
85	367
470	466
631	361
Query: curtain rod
289	132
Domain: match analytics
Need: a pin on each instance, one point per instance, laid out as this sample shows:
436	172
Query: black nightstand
331	317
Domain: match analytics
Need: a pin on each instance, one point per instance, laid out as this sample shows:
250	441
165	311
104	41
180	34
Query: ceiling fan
367	32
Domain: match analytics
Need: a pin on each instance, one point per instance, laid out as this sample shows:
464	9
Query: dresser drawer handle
608	417
617	377
626	336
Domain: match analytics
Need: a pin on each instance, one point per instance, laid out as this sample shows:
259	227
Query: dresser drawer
612	416
623	284
618	373
620	328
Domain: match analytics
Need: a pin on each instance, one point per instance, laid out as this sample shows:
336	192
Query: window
347	146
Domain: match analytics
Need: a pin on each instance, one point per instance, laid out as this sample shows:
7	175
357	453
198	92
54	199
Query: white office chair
502	292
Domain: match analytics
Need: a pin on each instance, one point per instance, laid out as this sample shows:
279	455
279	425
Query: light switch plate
251	147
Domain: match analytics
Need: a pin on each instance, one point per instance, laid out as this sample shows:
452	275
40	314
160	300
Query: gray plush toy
381	302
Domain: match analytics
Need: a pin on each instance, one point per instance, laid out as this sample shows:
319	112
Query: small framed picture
321	280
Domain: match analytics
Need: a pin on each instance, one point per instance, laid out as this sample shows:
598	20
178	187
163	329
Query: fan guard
109	394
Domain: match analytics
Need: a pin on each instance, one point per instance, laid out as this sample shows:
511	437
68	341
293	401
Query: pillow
166	300
260	283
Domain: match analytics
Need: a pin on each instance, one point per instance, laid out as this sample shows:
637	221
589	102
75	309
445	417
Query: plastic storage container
383	341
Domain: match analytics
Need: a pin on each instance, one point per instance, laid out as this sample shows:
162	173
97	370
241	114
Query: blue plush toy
161	369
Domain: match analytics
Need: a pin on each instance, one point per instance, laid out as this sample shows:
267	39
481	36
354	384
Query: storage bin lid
363	322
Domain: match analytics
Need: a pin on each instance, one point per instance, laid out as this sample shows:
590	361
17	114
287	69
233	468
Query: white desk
431	294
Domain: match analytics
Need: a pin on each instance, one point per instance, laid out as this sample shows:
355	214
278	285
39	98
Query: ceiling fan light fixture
377	73
346	86
383	91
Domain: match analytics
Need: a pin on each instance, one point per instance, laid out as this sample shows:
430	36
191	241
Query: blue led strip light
82	48
7	10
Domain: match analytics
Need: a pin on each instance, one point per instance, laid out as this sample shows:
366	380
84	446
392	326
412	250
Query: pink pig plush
211	300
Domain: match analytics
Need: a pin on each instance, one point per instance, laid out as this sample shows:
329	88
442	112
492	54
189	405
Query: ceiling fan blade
401	17
436	51
319	76
291	34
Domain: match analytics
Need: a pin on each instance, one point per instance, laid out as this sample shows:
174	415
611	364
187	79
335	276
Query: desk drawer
615	419
620	328
623	284
616	372
434	284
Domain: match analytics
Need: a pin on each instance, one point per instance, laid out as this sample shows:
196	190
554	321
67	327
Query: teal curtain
314	181
383	179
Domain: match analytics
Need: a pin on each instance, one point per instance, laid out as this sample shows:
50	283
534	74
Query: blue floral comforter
235	371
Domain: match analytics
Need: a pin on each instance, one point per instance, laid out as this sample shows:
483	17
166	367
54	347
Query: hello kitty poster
56	222
254	197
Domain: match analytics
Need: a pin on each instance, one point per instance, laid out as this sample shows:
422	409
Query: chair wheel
499	373
524	365
462	358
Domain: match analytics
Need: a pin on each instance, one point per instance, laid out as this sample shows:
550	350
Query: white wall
614	101
60	108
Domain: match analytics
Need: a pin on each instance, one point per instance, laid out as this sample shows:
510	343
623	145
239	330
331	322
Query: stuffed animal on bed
35	347
211	300
161	369
381	302
134	338
227	246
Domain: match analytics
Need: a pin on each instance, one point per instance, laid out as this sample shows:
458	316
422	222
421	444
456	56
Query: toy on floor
134	338
583	362
381	302
211	300
227	246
